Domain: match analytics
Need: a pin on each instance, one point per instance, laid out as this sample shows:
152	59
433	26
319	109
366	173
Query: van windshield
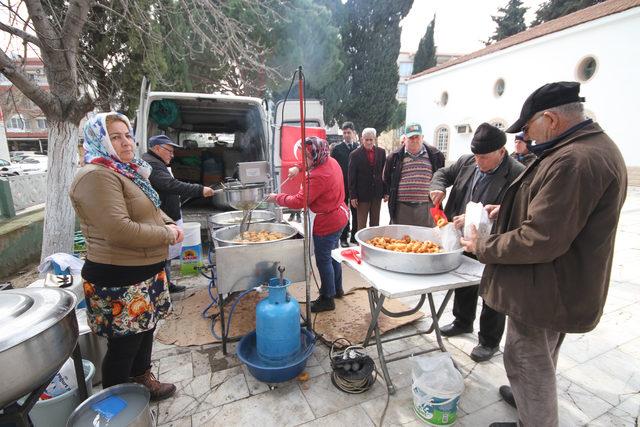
205	140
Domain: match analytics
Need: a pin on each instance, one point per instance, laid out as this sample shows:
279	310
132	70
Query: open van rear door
140	129
287	132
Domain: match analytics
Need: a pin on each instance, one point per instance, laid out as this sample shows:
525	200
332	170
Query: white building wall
612	94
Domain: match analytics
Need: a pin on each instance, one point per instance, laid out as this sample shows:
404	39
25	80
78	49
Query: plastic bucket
191	254
55	411
434	407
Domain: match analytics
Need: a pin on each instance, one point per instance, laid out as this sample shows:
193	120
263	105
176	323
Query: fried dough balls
258	236
406	244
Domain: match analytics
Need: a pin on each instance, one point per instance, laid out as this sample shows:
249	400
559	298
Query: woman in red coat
325	195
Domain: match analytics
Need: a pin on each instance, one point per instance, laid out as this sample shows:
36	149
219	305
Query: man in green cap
407	178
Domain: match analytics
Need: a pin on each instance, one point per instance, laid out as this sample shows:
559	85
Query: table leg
435	317
375	303
82	384
222	325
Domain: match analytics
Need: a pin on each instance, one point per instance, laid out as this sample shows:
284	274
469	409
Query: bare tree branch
42	98
30	38
45	32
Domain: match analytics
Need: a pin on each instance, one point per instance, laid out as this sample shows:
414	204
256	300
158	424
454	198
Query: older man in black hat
170	190
479	177
549	262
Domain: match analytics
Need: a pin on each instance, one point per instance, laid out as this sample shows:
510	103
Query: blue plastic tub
270	371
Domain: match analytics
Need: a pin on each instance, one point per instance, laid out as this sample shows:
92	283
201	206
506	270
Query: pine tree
552	9
426	54
510	22
371	41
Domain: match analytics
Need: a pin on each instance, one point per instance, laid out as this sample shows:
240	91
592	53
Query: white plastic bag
64	381
475	214
449	237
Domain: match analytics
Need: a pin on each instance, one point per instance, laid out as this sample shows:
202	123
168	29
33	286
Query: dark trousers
126	357
530	359
354	222
491	322
329	269
371	210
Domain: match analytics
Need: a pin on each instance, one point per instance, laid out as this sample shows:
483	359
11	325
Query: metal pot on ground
39	332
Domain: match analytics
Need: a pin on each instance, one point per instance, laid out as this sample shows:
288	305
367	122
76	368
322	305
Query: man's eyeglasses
170	150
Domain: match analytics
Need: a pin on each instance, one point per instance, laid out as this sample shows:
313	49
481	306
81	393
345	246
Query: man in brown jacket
549	262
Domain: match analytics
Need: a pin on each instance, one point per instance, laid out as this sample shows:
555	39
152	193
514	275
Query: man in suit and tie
341	153
479	177
366	188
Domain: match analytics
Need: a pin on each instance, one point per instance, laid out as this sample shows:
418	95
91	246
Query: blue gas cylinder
278	323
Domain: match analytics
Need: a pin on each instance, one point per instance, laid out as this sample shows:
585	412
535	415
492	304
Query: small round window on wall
498	88
444	98
587	68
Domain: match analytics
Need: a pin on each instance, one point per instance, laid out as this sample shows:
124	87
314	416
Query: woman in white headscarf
127	237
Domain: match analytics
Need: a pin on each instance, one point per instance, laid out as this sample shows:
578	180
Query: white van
215	133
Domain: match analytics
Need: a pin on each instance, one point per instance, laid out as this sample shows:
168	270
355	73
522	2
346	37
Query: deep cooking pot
244	196
225	236
404	262
38	334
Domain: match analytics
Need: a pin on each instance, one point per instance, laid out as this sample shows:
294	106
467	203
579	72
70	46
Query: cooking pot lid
24	313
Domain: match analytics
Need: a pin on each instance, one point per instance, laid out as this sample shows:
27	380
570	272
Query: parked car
33	164
9	169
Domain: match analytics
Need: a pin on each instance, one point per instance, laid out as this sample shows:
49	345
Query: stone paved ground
598	373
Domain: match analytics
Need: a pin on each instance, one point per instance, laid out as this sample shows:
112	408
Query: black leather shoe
339	294
353	239
451	330
173	288
482	353
507	395
322	304
344	243
503	425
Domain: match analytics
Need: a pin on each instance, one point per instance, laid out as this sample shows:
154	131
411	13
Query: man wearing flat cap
407	175
170	190
481	177
549	262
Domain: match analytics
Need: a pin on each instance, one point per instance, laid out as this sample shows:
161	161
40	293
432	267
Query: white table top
398	285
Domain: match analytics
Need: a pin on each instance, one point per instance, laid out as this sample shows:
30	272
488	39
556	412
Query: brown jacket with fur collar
549	263
121	225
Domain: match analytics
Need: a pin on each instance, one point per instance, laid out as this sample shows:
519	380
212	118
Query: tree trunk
59	216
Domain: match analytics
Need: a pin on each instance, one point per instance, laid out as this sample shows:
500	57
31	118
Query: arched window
442	139
16	123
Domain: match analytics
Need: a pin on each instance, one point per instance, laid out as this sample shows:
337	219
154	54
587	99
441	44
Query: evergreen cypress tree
426	54
552	9
371	40
510	22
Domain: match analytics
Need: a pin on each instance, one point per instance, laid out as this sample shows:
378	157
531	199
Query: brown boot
157	389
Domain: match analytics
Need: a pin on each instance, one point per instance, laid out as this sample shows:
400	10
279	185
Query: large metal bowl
39	331
244	197
225	236
227	219
403	262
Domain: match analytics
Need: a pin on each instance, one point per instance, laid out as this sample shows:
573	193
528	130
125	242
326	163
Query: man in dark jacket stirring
170	189
549	262
481	177
407	177
341	153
